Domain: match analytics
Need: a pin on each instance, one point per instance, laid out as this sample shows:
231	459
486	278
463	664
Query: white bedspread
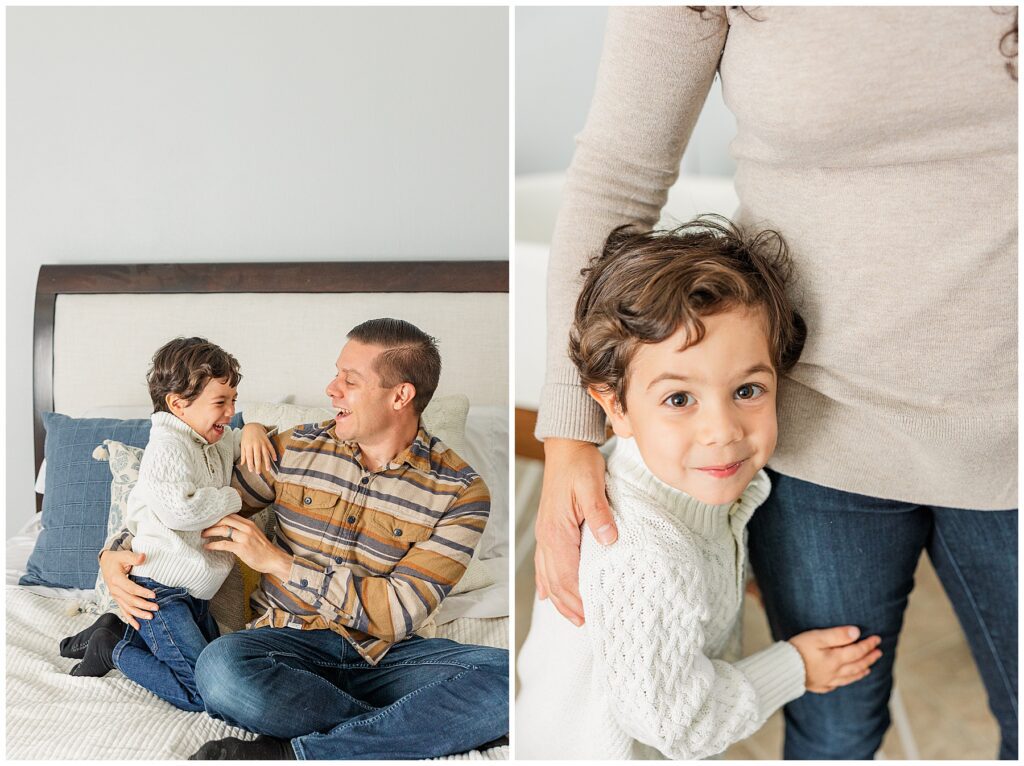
51	715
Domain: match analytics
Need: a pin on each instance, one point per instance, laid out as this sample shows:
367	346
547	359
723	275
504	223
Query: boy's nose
718	426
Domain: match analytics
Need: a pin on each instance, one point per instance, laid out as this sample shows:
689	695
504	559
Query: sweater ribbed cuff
777	675
568	412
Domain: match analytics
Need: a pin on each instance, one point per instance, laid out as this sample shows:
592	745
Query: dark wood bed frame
305	277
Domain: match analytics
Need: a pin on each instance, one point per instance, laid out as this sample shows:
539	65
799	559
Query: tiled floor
935	674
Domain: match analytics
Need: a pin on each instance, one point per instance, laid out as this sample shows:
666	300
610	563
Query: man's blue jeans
161	656
426	698
823	557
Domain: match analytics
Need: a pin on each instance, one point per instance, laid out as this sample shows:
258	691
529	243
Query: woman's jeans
426	698
161	656
823	557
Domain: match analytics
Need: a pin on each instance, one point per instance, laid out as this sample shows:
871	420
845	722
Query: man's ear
610	404
404	394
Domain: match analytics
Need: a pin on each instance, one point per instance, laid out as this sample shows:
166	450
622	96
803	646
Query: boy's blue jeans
161	656
426	698
823	557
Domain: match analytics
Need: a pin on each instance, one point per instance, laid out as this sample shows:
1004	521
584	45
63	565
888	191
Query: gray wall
557	53
237	134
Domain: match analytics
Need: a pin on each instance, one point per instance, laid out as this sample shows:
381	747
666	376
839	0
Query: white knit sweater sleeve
644	610
167	487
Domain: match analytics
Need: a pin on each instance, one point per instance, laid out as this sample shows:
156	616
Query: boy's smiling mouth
722	471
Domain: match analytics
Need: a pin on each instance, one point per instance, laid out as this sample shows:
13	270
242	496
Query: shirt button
398	533
307	500
365	480
351	519
304	583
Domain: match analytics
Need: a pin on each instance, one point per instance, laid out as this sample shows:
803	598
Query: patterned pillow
76	500
230	606
124	463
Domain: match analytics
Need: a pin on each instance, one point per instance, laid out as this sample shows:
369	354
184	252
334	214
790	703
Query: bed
95	330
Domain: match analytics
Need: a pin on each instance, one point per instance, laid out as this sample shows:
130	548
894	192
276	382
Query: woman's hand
132	599
831	659
247	541
257	450
573	492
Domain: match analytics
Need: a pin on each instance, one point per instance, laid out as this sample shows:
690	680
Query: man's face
704	418
208	413
366	410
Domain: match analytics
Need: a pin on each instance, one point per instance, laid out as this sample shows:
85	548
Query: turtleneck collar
170	422
626	463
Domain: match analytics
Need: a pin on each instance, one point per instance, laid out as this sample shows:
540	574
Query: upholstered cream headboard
97	327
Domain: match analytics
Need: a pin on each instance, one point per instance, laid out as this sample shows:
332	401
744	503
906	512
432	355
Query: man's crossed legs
426	698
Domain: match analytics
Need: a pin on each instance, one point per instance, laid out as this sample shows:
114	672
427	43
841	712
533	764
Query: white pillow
444	417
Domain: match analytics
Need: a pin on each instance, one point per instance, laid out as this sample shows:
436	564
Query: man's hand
132	599
248	542
831	659
257	451
573	492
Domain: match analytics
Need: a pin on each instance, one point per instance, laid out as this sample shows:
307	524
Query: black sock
74	646
99	655
263	748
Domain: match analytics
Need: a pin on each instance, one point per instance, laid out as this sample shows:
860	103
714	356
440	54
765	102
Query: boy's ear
175	404
612	409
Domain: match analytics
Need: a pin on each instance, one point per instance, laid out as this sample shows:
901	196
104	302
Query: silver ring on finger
230	532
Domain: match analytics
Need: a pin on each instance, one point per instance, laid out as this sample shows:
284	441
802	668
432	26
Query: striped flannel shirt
373	552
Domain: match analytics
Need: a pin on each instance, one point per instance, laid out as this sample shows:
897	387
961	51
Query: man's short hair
184	366
409	356
644	286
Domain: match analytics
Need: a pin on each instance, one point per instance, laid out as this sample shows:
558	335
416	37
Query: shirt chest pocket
306	498
383	539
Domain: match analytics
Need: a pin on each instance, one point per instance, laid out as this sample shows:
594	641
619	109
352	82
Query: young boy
681	338
183	488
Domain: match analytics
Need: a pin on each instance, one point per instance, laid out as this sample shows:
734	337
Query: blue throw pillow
76	500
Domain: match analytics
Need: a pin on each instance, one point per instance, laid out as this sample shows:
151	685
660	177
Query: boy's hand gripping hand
833	657
573	492
131	598
257	451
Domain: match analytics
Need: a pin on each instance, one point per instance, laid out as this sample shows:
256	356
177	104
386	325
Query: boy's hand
831	659
247	541
132	599
257	451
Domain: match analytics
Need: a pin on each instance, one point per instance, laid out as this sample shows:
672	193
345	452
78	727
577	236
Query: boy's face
704	418
209	413
367	411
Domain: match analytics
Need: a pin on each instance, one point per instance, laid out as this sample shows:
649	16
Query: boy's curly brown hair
184	366
646	285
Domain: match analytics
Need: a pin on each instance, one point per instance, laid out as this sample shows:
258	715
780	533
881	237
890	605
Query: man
377	521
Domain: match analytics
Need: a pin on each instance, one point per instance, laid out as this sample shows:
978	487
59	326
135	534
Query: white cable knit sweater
646	677
183	488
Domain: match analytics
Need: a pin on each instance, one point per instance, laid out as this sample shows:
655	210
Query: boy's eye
679	400
750	391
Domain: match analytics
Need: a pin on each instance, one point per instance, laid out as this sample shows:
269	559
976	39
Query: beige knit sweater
882	144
